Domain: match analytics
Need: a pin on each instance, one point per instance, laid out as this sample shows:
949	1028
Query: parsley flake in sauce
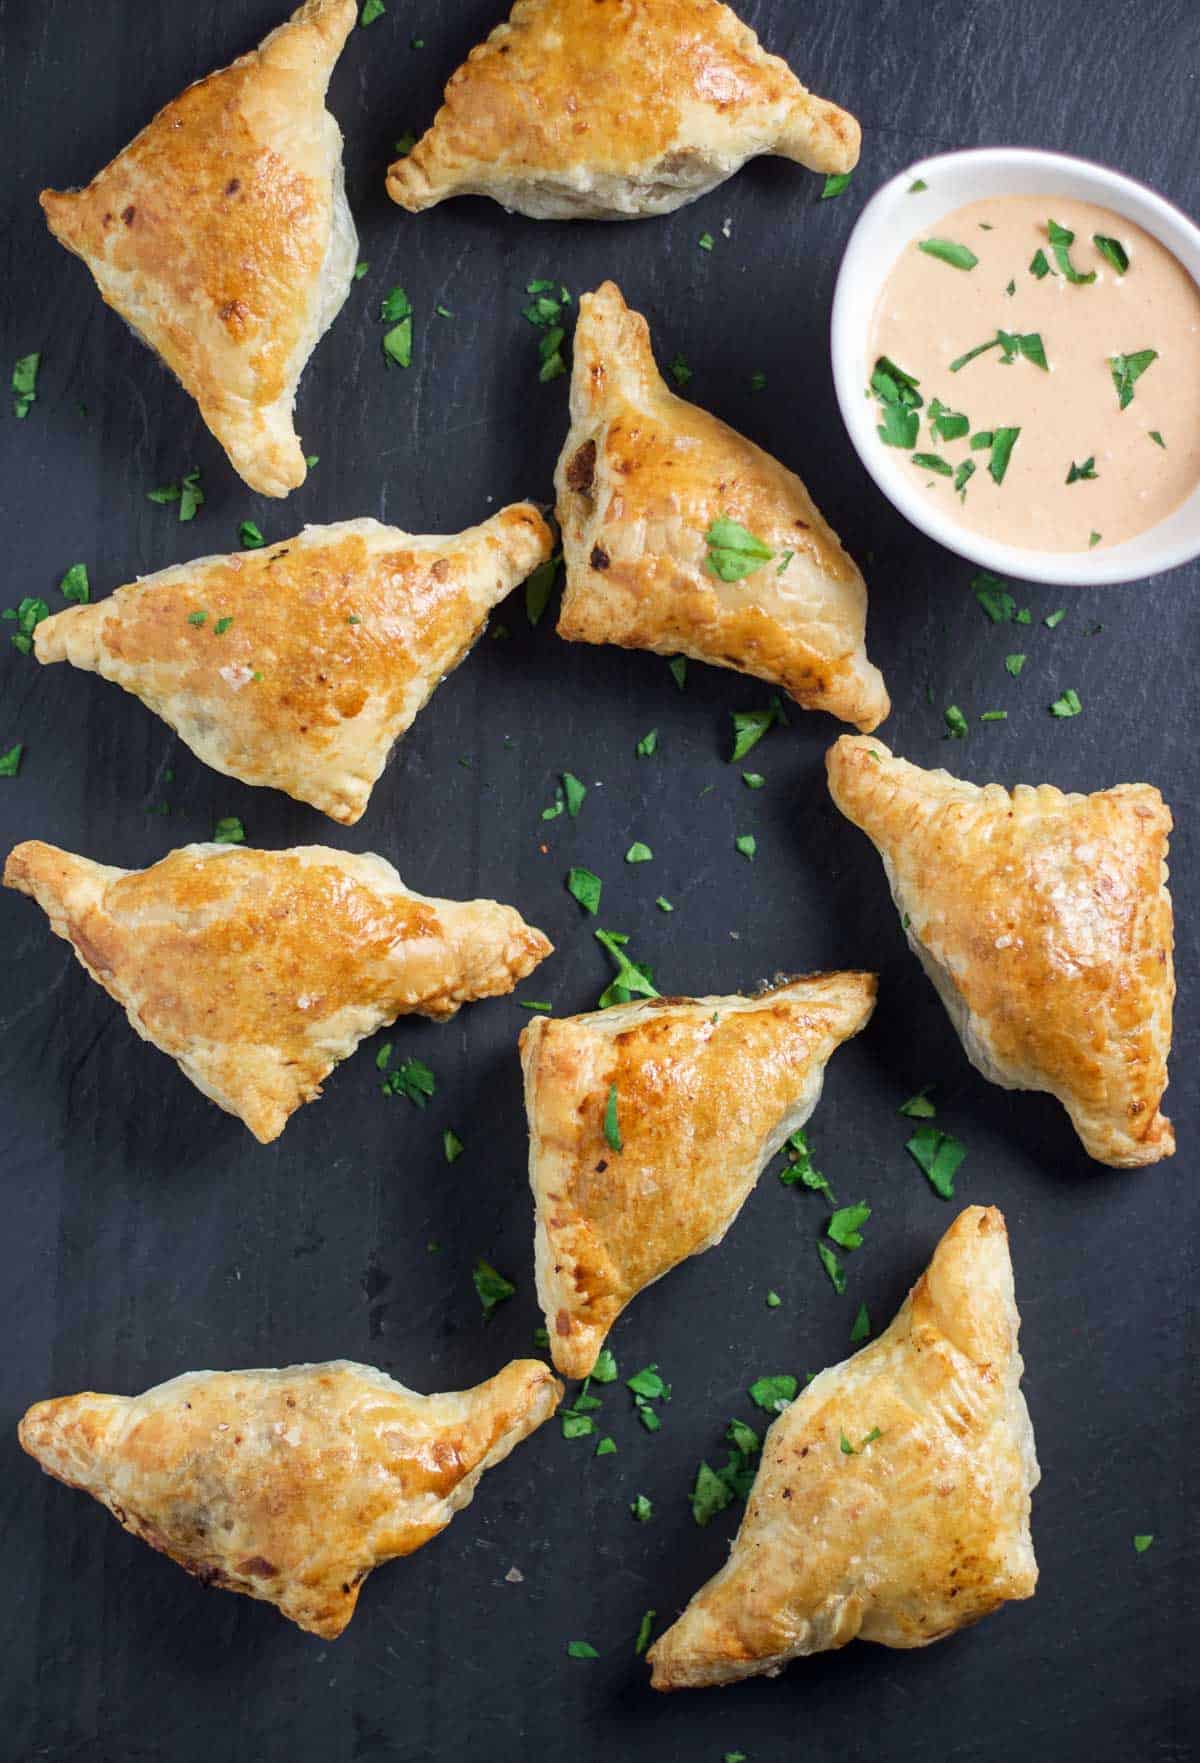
1112	251
949	251
1127	370
1083	473
1061	240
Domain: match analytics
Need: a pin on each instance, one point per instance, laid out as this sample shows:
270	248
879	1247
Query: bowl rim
1141	204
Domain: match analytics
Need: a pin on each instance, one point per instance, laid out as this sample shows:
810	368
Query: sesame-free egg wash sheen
1107	440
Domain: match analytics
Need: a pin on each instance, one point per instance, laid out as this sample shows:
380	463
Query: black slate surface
146	1233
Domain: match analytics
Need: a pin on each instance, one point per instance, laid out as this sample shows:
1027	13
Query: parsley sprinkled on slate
643	1633
536	1004
642	1509
753	780
843	1228
383	1057
491	1287
28	614
919	1107
1003	442
773	1393
747	845
993	716
360	270
705	241
710	1495
956	723
740	1756
187	492
1067	704
799	1169
931	462
574	792
24	384
1086	472
583	885
229	831
412	1079
631	980
605	1368
396	312
372	9
758	381
993	596
649	1385
917	185
833	1267
948	251
773	1300
539	587
679	371
1112	251
749	727
1158	440
612	1125
834	184
452	1146
1061	240
1052	620
663	904
939	1155
648	744
1127	370
861	1329
250	536
1014	663
74	585
576	1426
1039	264
678	667
1142	1543
638	853
581	1650
733	553
606	1448
10	762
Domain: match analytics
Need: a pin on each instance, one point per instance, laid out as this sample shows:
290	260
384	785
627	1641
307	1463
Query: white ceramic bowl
891	218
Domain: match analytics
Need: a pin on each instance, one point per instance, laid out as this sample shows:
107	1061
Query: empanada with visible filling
258	971
613	109
301	664
222	235
701	1093
291	1485
1045	923
641	482
892	1499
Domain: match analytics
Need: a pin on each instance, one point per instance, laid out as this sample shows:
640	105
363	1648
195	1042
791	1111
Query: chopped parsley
605	1368
956	723
1067	704
412	1078
491	1287
585	887
1083	473
678	667
917	185
648	745
939	1155
1112	251
229	831
1039	265
581	1650
849	1450
932	462
396	312
1157	439
452	1146
606	1448
372	9
773	1300
74	584
749	727
574	792
1003	442
612	1125
844	1227
642	1509
833	1267
710	1495
539	587
733	553
649	1385
576	1426
897	393
404	146
948	251
1127	370
643	1633
861	1328
753	780
747	845
679	371
1061	240
964	474
1094	539
222	625
663	904
187	492
949	425
919	1107
250	536
1011	344
758	381
1053	619
638	853
834	184
773	1393
10	762
1014	663
1142	1543
536	1004
799	1169
28	614
360	270
705	241
24	384
631	979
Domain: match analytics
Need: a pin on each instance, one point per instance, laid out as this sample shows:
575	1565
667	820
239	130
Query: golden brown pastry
1045	923
289	1486
892	1499
642	482
258	971
222	235
701	1093
612	109
300	665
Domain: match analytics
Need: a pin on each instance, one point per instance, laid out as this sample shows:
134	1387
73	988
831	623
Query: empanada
299	666
291	1485
612	109
892	1499
700	1093
1045	923
643	482
222	235
259	970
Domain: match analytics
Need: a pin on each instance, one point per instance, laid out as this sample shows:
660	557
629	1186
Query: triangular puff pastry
259	970
700	1093
641	481
1045	923
221	234
892	1499
611	109
301	664
289	1486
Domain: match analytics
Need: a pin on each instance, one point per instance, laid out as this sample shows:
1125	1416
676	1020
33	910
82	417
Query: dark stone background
146	1233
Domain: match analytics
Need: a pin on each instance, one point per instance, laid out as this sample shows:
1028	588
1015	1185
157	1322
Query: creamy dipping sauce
1127	339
